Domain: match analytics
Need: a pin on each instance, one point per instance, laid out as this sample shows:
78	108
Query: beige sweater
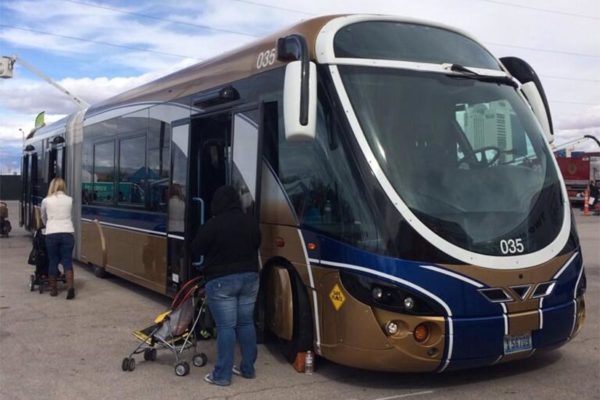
56	213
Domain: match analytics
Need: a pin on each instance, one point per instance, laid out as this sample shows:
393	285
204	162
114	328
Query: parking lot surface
51	348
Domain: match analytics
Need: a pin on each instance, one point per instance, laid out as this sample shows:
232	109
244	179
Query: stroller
176	329
5	227
39	258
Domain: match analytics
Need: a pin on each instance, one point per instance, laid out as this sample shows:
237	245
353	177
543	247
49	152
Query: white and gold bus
413	216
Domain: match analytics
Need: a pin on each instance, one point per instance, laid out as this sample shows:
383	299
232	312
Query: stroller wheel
200	360
31	283
125	364
150	354
128	364
182	368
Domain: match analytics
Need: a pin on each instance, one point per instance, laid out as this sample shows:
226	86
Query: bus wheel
302	323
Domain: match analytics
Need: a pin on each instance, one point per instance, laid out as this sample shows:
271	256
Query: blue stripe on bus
478	337
558	322
139	219
463	298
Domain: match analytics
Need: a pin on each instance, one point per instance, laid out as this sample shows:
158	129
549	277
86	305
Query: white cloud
574	97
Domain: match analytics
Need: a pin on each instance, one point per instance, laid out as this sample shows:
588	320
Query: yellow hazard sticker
337	297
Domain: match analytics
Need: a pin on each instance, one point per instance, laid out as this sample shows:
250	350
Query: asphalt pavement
51	348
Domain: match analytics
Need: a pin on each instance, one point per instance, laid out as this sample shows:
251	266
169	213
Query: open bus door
56	159
28	181
24	186
208	151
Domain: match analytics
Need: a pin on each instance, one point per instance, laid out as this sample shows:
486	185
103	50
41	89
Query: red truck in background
577	173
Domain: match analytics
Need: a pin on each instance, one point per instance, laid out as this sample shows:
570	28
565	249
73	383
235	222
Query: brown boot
52	283
70	282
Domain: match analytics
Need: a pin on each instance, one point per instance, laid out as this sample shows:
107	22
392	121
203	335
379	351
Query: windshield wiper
470	74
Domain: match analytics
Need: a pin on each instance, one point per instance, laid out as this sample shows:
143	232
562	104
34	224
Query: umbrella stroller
175	329
39	258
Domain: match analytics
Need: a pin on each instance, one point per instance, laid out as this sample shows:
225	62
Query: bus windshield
465	156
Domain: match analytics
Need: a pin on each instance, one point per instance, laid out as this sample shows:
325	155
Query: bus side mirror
299	88
300	108
532	89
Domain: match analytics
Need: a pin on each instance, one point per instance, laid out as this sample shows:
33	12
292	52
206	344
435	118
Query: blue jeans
60	250
231	299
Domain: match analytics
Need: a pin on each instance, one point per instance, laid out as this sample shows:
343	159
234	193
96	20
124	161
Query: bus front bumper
453	343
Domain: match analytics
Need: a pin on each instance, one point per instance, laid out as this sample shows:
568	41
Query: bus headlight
387	295
377	293
391	328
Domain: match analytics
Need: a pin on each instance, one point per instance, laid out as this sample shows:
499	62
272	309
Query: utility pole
6	71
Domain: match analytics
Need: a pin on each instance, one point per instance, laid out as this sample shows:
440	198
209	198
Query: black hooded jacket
229	240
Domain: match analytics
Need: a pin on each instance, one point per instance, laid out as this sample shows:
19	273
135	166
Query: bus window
34	171
25	184
104	172
494	133
322	187
132	171
159	138
245	158
60	162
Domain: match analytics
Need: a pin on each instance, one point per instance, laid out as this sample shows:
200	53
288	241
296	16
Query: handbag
33	256
38	254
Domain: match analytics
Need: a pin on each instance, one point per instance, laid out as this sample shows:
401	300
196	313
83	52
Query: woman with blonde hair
56	214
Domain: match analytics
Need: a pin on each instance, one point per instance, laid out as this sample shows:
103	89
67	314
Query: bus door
224	149
176	205
246	159
25	183
56	162
210	149
30	161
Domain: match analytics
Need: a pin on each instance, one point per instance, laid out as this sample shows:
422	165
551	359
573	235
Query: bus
412	213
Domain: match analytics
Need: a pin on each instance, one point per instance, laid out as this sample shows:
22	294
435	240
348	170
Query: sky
97	49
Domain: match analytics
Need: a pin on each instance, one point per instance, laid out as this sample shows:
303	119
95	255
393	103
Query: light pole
22	136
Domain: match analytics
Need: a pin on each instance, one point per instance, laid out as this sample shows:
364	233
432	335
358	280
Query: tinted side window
132	171
386	40
35	176
159	137
103	172
323	188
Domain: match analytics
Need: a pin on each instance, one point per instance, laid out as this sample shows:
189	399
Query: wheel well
302	336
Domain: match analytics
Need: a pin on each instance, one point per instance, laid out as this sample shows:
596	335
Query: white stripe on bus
313	292
559	273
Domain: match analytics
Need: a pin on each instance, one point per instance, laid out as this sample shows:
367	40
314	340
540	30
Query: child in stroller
176	329
5	227
39	258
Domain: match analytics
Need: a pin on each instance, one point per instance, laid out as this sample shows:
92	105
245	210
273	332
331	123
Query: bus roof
231	66
236	64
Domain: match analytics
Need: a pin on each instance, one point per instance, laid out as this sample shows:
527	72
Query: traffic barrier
586	202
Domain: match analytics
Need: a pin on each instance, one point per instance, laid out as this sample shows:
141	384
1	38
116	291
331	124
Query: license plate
516	344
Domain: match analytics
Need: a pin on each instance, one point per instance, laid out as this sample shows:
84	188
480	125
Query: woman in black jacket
229	242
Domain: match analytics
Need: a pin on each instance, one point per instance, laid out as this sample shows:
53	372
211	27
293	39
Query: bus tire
302	332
